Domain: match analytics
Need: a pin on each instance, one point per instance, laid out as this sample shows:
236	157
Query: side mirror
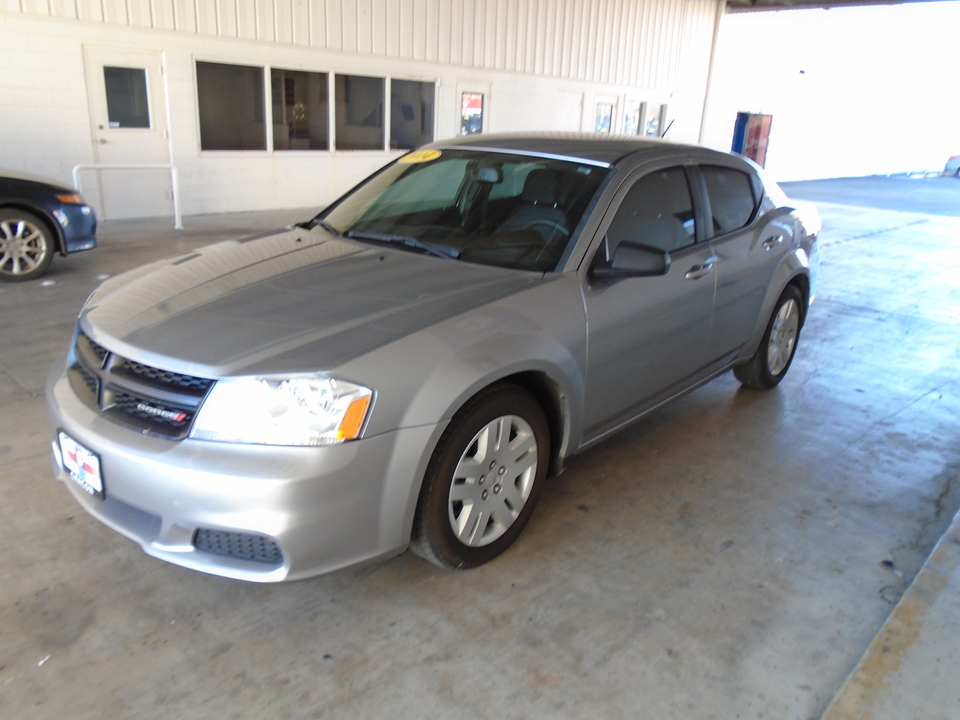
632	259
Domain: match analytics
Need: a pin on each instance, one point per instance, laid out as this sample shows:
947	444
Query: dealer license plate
82	464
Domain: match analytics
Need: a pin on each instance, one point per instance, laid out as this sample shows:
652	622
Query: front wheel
26	245
484	479
770	363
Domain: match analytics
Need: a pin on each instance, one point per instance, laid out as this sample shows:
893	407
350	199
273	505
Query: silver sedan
407	368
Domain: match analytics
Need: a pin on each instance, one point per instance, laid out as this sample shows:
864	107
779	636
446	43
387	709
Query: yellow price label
420	156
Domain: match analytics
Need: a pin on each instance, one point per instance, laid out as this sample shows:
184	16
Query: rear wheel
484	479
770	363
26	245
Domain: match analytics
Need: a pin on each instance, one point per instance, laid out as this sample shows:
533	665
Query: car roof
594	147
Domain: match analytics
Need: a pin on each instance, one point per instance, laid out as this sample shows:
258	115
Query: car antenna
668	128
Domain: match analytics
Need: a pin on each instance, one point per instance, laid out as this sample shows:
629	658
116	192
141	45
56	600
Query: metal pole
175	179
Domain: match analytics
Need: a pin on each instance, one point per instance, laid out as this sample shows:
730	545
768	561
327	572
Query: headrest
540	187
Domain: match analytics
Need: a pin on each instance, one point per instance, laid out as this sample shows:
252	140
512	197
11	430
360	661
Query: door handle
771	241
103	141
698	271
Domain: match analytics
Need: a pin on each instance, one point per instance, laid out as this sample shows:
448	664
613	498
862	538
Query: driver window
657	211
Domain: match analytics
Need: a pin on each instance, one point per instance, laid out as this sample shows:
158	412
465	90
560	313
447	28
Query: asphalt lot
929	195
729	556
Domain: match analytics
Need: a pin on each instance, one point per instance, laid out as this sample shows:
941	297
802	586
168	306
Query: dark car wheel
26	245
770	363
484	479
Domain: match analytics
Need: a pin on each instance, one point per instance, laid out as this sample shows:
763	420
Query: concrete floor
732	556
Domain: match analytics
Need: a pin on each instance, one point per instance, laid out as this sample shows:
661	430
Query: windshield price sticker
420	156
82	464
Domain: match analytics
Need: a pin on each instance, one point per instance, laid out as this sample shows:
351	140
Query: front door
129	127
647	337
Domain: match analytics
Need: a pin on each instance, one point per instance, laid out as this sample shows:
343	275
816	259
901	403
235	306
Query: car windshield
515	211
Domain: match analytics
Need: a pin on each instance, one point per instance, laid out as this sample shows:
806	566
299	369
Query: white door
129	127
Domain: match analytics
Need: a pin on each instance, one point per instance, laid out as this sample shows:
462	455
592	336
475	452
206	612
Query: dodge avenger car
408	367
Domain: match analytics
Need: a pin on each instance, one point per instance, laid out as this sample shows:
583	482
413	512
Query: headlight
308	410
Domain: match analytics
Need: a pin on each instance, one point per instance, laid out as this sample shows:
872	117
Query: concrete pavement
733	555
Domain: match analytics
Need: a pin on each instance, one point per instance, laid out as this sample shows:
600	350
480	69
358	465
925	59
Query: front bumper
78	224
324	507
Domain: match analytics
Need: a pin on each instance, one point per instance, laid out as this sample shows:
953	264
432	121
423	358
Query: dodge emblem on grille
172	415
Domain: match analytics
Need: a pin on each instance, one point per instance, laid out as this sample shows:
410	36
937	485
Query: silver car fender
795	263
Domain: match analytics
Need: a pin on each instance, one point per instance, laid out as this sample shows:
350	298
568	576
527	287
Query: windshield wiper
438	250
310	224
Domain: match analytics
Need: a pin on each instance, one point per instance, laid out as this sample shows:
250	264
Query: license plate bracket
82	464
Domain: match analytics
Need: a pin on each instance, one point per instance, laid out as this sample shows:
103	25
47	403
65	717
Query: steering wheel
548	229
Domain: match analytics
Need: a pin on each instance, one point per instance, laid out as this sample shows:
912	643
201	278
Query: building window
631	117
231	107
301	110
654	120
411	114
127	105
471	113
359	108
604	117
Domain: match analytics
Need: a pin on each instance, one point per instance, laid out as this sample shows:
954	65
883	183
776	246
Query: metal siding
301	22
90	10
226	18
247	19
63	9
647	44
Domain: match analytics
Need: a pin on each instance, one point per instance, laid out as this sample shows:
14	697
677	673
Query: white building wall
852	91
543	65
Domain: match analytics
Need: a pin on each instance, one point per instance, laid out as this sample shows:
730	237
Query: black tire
508	488
778	346
27	245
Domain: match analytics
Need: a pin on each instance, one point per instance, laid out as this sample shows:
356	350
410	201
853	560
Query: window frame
756	187
265	109
599	248
266	71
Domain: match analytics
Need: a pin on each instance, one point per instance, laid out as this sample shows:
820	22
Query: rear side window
732	198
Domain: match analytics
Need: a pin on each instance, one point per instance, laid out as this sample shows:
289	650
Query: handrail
174	180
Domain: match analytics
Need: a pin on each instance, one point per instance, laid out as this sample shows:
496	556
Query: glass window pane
127	105
300	110
652	126
448	199
411	114
359	107
657	211
732	200
604	117
230	98
631	117
471	113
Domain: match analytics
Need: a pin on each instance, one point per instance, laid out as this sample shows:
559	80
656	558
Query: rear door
748	250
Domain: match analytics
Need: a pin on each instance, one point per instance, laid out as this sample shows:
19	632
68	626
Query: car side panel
437	370
747	261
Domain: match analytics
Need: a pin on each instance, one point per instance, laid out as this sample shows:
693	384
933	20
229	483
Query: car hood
275	302
17	175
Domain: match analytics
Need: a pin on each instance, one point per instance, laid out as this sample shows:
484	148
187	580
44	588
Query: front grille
242	546
150	399
163	377
93	385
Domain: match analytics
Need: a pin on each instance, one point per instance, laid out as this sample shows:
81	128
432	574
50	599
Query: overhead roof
757	5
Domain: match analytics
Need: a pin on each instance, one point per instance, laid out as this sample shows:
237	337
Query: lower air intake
242	546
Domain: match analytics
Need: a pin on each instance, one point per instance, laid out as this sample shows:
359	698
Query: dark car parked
40	217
